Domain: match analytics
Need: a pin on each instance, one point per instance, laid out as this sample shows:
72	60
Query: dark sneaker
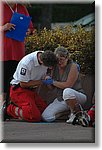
73	119
83	118
5	116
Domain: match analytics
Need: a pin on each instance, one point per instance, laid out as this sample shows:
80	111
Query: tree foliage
79	42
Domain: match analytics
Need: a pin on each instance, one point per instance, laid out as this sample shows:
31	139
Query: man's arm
31	84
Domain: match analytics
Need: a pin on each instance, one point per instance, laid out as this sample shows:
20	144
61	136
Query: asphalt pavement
15	131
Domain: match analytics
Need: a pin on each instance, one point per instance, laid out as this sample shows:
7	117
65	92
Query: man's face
50	67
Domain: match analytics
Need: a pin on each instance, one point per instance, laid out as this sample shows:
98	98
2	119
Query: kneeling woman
66	83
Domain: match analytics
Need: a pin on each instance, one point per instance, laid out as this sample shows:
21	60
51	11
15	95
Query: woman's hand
47	77
8	26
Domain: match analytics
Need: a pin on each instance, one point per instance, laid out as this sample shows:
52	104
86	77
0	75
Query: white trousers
56	106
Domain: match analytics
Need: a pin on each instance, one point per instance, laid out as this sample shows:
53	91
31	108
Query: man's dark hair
49	58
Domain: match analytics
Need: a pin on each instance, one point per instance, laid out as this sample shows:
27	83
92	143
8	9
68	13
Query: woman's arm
72	77
7	26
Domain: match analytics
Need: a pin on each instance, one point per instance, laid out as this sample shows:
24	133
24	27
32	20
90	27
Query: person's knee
48	117
31	116
68	94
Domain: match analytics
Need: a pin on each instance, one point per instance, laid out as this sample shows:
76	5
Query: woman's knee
68	94
48	116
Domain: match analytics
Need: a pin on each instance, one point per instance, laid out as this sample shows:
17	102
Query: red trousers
29	102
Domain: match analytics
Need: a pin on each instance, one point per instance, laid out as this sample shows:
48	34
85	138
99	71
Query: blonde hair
61	51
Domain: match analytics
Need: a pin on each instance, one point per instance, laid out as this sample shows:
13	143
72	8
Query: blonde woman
66	82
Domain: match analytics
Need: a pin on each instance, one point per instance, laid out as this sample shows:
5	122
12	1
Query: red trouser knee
31	104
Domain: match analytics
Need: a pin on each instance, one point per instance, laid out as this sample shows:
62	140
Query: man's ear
39	58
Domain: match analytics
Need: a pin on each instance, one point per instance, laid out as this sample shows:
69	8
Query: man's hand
48	81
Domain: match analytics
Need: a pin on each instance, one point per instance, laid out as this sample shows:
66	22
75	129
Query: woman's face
62	61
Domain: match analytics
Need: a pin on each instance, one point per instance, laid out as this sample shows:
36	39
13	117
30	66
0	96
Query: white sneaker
71	118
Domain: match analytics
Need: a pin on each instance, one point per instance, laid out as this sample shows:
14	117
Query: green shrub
79	42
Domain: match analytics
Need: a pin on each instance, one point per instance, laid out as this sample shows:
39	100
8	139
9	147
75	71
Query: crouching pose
25	103
66	82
